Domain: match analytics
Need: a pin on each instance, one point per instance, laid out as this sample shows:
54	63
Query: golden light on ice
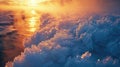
85	55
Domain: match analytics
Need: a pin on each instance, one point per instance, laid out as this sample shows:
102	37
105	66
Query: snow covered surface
90	41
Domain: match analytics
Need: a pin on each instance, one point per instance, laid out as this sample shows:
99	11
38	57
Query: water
12	45
12	38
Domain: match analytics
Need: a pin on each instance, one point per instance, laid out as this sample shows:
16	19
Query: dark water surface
11	45
12	35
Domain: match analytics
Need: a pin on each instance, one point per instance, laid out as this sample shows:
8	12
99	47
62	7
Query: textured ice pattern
90	41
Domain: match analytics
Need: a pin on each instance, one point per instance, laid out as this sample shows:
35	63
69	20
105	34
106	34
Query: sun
34	2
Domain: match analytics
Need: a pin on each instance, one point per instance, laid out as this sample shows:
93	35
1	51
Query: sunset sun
34	2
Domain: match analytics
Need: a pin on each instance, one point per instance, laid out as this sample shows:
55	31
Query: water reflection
32	24
33	21
28	22
11	45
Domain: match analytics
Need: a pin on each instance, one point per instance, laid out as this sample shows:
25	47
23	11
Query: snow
87	43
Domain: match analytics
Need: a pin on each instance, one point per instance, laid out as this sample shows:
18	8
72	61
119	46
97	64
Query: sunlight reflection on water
25	24
29	24
33	21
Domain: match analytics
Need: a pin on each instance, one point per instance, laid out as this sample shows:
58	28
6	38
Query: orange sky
61	6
